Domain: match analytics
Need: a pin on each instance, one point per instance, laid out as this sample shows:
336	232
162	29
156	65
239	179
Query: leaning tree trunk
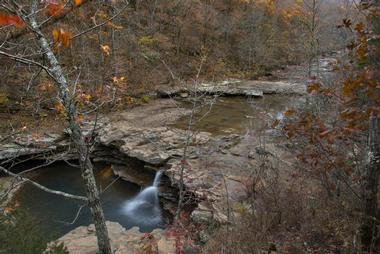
68	100
370	224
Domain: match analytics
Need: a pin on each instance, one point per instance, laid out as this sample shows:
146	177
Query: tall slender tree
29	15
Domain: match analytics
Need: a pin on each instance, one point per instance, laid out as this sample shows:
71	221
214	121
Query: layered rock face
249	88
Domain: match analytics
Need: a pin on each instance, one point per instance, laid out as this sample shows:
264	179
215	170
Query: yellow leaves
117	80
268	5
3	98
146	41
62	38
106	49
60	108
114	26
56	34
102	14
85	98
129	100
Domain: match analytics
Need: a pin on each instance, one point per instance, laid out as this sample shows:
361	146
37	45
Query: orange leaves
359	28
349	87
78	2
317	88
355	119
114	26
54	9
289	112
62	38
361	84
314	87
6	20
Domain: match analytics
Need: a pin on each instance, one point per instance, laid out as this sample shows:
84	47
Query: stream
54	213
238	115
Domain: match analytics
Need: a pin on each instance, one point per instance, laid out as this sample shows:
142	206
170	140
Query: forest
189	126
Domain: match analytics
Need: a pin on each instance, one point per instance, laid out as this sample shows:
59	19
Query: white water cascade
144	209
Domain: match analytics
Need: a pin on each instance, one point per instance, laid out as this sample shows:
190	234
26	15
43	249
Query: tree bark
370	223
77	137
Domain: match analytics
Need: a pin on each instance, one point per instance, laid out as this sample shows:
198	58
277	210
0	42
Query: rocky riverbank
82	240
216	167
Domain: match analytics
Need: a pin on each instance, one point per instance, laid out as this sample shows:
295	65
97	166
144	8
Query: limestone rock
248	88
151	145
82	240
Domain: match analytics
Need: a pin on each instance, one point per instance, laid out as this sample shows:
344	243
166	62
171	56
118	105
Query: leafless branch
101	24
75	218
55	192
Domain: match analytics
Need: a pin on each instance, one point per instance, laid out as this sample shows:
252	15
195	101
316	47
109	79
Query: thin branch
101	24
109	185
75	218
27	61
55	192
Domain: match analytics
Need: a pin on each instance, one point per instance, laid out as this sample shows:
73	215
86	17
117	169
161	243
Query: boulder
82	240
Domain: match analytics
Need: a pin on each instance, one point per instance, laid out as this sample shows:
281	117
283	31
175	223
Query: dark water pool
53	213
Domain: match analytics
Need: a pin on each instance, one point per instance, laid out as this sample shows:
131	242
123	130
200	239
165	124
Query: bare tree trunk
68	100
370	224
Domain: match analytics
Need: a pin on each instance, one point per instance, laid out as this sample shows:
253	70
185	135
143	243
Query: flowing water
145	207
54	213
124	202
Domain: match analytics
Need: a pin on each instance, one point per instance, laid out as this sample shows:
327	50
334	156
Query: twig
55	192
75	218
101	24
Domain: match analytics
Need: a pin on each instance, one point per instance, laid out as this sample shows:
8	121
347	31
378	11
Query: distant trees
312	21
369	56
242	39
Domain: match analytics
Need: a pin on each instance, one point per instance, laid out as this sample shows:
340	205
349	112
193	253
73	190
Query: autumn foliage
14	20
57	8
62	37
330	138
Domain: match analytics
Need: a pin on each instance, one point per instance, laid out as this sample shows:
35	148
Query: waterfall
144	209
157	179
